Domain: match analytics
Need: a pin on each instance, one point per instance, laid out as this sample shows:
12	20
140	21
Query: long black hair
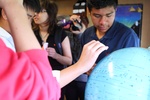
52	10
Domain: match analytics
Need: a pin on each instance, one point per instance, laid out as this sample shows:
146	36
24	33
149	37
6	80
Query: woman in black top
45	28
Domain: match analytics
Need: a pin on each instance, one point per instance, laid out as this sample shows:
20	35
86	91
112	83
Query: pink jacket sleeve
26	76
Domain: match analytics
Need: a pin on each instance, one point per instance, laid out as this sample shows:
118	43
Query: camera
76	25
65	20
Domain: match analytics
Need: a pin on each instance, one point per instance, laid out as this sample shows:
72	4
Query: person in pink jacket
26	73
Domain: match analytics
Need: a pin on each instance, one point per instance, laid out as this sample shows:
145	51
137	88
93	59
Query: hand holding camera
76	23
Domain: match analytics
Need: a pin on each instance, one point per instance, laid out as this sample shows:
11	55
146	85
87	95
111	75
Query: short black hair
32	4
98	4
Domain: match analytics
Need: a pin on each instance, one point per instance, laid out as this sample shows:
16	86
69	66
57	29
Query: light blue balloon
122	75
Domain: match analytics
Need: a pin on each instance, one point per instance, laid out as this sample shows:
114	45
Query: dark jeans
75	90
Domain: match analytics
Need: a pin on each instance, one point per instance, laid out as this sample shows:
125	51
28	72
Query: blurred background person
74	26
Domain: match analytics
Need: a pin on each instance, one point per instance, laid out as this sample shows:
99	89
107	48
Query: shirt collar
4	33
111	32
7	39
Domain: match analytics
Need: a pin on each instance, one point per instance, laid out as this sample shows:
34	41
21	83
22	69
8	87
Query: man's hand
6	3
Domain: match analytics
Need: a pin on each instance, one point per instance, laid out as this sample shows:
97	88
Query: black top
51	43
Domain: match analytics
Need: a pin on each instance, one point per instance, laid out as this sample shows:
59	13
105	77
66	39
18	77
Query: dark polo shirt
117	37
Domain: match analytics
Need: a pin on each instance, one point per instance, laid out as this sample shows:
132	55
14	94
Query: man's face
103	18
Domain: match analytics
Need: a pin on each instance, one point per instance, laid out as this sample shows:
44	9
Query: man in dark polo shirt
106	30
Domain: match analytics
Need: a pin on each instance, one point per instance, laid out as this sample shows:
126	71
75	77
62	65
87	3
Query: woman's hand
75	17
80	31
52	52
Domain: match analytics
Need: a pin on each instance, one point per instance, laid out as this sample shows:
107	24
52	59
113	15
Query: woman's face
41	17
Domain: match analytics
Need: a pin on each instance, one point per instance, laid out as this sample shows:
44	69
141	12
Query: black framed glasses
30	16
43	10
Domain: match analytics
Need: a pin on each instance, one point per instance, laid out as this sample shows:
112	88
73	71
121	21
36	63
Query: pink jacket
26	76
